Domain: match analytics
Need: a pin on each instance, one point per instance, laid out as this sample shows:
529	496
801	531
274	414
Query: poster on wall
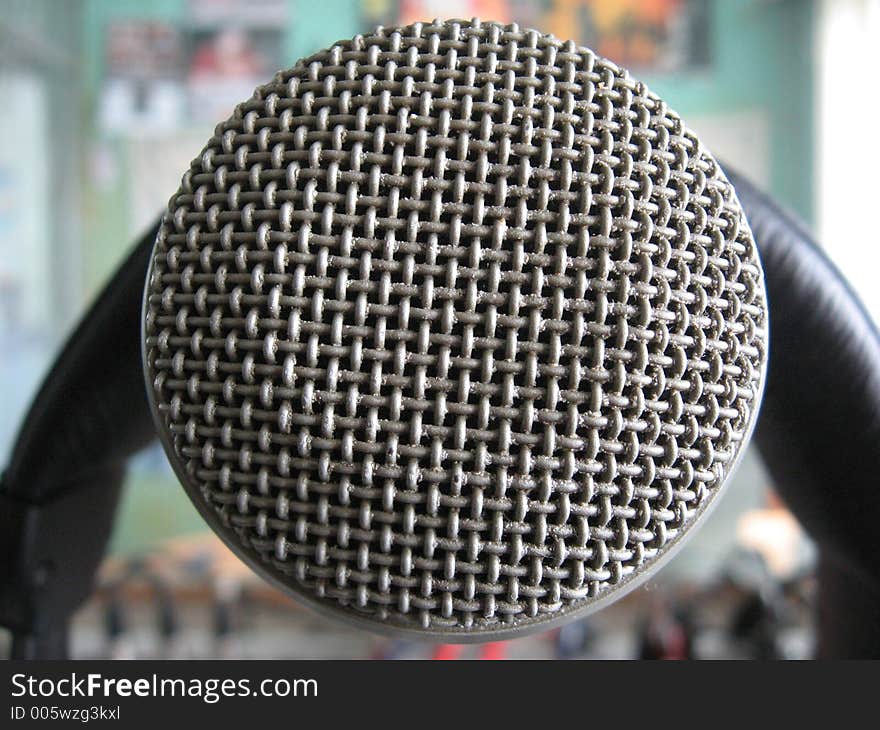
661	36
142	90
225	65
232	48
161	76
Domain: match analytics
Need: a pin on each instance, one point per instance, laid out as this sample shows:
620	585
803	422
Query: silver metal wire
455	328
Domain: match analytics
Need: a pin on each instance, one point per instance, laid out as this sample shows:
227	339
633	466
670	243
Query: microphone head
454	330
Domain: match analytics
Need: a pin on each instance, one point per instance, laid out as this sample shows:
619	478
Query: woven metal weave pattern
455	327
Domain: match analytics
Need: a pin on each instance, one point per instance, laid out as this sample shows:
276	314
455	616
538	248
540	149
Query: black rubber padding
819	428
91	412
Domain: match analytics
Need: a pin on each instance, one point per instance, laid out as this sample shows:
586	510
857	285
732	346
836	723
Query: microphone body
454	330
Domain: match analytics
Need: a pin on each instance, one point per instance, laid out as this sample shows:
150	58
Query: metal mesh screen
454	327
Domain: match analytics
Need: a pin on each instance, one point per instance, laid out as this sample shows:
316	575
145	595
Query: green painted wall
763	58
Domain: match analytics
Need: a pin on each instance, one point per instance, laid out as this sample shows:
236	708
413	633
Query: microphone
454	331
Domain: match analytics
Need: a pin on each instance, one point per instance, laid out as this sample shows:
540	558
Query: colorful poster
142	90
160	77
653	35
226	63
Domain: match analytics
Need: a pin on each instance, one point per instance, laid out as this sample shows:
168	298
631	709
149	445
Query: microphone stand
49	554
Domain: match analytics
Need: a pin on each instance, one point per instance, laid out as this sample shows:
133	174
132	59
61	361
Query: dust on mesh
455	326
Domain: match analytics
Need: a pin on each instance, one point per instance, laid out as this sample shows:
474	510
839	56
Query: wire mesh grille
454	327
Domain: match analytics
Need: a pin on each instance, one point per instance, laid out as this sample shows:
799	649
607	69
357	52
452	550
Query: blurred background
106	102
